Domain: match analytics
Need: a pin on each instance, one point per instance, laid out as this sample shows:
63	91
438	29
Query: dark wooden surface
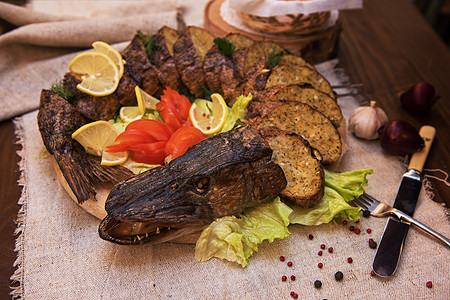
387	47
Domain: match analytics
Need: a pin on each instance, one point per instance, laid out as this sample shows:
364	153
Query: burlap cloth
60	255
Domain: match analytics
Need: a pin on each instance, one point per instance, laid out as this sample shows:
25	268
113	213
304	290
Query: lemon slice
209	116
145	100
95	137
112	53
130	113
99	73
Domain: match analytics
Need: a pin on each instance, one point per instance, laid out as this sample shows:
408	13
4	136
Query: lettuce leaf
235	238
237	113
340	188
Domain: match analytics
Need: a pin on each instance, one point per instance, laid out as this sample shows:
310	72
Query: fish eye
174	186
202	185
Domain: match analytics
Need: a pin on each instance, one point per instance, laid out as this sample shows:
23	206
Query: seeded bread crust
301	165
301	119
304	93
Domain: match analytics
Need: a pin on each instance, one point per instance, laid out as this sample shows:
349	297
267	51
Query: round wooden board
314	48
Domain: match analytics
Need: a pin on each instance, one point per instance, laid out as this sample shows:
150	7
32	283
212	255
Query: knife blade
391	245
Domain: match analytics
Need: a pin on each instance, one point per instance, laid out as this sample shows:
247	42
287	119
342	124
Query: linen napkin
61	255
30	55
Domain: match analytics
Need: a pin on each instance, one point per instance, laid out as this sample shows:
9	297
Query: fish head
188	194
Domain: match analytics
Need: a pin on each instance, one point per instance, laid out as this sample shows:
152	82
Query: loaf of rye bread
301	165
302	119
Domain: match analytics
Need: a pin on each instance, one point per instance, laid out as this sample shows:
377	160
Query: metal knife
391	244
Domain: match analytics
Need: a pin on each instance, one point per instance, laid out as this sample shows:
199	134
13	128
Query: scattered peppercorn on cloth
47	30
60	254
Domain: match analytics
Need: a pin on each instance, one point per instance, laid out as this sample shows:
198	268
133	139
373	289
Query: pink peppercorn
320	265
372	273
320	253
349	260
344	222
357	230
289	263
281	258
322	246
310	236
352	228
330	249
292	277
284	278
369	230
429	284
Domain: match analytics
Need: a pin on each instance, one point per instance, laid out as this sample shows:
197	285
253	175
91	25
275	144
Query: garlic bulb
366	120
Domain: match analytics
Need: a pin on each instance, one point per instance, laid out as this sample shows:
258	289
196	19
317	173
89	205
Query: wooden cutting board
314	48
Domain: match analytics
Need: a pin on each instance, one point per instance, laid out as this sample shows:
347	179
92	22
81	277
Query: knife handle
418	158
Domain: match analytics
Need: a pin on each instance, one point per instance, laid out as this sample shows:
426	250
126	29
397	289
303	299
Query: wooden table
387	47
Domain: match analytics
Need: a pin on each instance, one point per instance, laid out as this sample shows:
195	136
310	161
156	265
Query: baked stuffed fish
218	177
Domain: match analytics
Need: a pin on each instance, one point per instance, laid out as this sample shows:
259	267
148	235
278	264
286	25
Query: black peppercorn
373	244
317	284
366	213
339	276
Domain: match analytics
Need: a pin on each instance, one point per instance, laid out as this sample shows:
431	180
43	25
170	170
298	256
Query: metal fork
380	209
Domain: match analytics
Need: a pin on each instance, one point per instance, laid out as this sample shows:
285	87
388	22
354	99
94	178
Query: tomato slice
136	137
182	139
174	108
159	130
151	153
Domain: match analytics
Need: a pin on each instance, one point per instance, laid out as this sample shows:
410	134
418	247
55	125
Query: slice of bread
261	51
304	93
239	40
296	74
301	165
302	119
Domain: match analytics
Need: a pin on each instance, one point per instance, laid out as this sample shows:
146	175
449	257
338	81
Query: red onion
400	138
419	98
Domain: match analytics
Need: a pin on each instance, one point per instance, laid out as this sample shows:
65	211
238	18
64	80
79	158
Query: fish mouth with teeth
218	177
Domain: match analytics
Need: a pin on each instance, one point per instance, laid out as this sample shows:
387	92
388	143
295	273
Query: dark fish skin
218	177
94	108
140	68
57	119
164	61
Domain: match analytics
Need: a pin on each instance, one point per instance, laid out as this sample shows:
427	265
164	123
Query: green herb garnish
225	46
58	88
273	59
147	41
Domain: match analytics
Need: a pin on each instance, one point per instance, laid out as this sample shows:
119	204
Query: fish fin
102	173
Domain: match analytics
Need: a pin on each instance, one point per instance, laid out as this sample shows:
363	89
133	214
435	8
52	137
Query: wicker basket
288	25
